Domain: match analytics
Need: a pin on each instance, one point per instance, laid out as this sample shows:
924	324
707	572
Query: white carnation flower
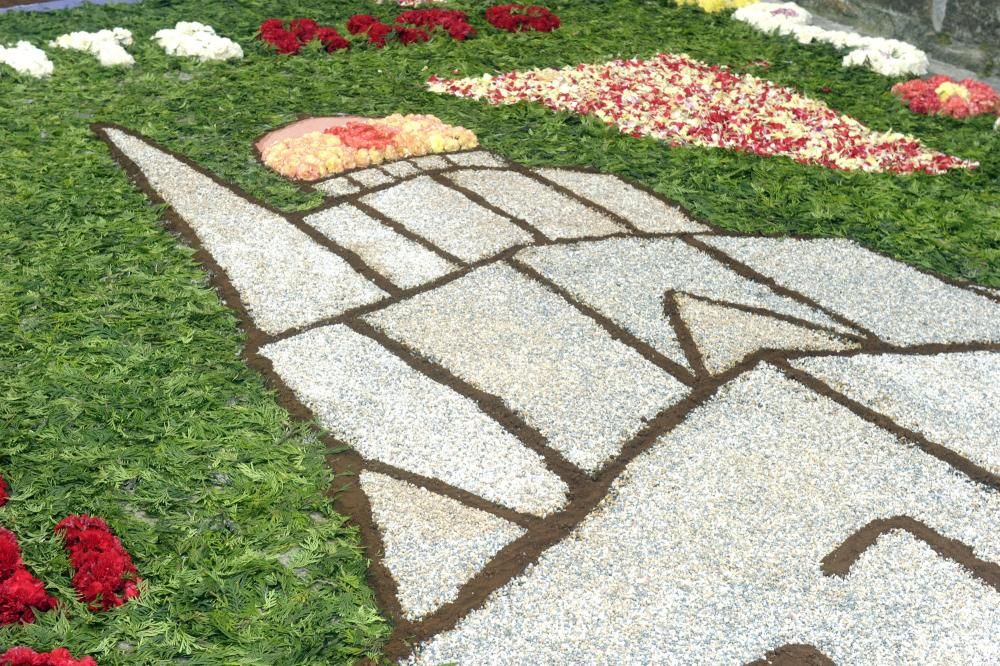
196	40
107	45
27	58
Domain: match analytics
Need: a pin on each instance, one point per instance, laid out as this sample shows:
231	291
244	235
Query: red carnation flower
360	23
271	26
411	35
286	43
304	29
460	30
331	40
105	575
378	33
515	17
25	656
454	21
4	496
21	594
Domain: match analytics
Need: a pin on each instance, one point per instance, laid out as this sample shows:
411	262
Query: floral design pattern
360	144
685	102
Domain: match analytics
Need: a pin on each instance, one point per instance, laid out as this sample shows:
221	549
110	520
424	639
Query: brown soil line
490	404
672	312
513	559
405	232
536	235
745	271
616	218
616	332
794	654
949	456
843	557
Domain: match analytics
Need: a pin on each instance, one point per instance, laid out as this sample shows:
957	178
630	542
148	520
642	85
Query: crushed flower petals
685	102
941	95
360	144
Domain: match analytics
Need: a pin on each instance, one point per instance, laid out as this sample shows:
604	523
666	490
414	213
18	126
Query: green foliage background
121	389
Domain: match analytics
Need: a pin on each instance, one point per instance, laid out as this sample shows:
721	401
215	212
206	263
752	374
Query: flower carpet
451	333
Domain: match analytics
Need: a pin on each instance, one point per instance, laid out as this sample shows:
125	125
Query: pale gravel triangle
726	335
433	544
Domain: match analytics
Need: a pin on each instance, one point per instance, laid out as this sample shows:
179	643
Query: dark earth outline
587	491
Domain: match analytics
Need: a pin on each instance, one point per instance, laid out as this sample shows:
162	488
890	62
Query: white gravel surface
400	169
707	550
625	279
898	303
640	208
433	544
388	411
447	218
552	213
372	177
725	335
952	399
405	262
336	187
508	335
430	162
284	278
478	158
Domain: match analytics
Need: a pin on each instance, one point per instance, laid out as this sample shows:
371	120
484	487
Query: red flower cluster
105	575
289	39
453	21
364	135
21	594
25	656
4	495
377	31
941	95
518	18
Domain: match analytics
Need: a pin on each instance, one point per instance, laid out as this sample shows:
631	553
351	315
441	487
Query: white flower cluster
26	59
189	38
996	125
107	45
890	57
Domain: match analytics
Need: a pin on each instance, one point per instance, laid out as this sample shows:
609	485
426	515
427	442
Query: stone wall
962	32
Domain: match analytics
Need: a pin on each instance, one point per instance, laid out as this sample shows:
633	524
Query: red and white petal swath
686	102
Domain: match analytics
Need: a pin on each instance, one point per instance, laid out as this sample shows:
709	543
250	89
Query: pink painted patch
304	126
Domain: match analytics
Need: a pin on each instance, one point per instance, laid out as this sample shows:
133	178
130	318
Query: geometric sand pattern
587	429
433	544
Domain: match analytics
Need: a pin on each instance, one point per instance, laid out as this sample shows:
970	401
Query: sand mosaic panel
589	429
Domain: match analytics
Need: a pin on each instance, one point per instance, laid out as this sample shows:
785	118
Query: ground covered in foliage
122	392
